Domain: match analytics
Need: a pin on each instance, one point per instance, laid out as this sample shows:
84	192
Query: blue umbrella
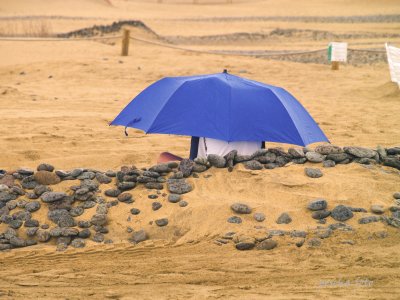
221	106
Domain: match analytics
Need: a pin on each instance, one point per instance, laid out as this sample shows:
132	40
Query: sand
57	99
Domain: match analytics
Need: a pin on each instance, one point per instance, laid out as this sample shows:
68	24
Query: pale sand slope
63	120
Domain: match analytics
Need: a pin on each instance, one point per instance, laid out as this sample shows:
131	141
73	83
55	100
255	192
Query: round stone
267	244
183	203
259	217
234	220
341	213
314	157
49	197
396	195
112	192
318	204
284	218
313	173
32	206
125	197
174	198
156	206
320	214
135	211
162	222
241	208
377	209
78	243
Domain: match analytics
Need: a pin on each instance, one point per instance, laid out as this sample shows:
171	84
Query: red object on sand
167	157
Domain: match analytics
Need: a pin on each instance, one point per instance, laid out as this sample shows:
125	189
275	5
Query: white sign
393	56
337	52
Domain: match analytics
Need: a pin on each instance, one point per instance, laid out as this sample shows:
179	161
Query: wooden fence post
125	43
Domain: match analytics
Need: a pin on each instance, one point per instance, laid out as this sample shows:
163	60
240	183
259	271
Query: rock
150	174
40	189
126	198
186	167
98	219
313	173
25	171
396	214
178	186
29	182
341	226
284	218
45	167
270	166
103	178
234	220
320	214
341	213
268	244
396	195
328	164
377	209
31	231
324	233
84	224
4	247
298	233
78	243
78	172
183	203
241	208
393	151
15	224
139	236
17	242
135	211
338	157
6	196
45	226
253	165
61	217
147	179
153	196
216	161
314	242
163	168
85	175
69	231
392	221
300	243
154	186
242	158
177	175
7	180
296	152
328	149
84	234
46	178
126	186
156	206
111	173
245	245
162	222
360	152
98	237
88	204
318	204
76	211
314	157
174	198
112	193
259	217
369	219
31	223
392	162
49	197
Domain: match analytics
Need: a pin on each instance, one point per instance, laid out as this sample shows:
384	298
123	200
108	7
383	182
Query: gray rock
126	186
135	211
178	186
31	223
76	211
328	164
174	198
377	209
183	203
77	172
392	162
161	168
153	196
396	195
369	219
340	226
84	224
324	233
84	233
151	174
85	175
17	242
111	173
162	222
154	186
360	152
241	208
45	167
313	173
393	151
298	233
88	204
314	157
396	214
156	206
245	245
186	167
22	215
341	213
61	217
338	157
320	214
259	217
234	220
216	161
299	160
147	179
253	165
6	196
40	189
31	231
284	218
296	152
98	237
126	198
103	178
318	204
112	193
270	166
32	206
99	219
139	236
15	224
25	171
328	149
78	243
69	231
49	197
300	243
314	242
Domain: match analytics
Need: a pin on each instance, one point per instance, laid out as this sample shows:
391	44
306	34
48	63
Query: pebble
78	243
103	178
268	244
314	242
98	237
178	186
84	234
298	233
183	203
111	173
328	164
300	243
369	219
318	204
154	186
396	195
320	214
284	218
135	211
31	223
253	165
84	224
17	242
360	152
45	167
126	186
139	236
314	157
242	246
216	161
25	171
125	197
152	196
234	220
76	211
156	206
259	217
296	152
61	217
162	222
377	209
174	198
49	197
98	219
241	208
313	173
15	224
186	167
31	231
32	206
112	193
341	213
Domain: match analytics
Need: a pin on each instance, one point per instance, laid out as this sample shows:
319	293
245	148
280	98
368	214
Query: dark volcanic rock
135	211
125	197
360	152
61	217
259	217
234	220
126	186
245	245
49	197
341	213
156	206
103	178
267	245
178	186
313	173
174	198
253	165
369	219
139	236
84	233
186	167
162	222
392	162
320	214
99	219
284	218
216	161
112	192
318	204
241	208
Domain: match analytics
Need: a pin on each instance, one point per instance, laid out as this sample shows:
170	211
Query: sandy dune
57	99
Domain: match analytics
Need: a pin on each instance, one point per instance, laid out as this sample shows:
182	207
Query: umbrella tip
225	71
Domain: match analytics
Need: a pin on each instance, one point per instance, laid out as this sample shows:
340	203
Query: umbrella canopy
221	106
